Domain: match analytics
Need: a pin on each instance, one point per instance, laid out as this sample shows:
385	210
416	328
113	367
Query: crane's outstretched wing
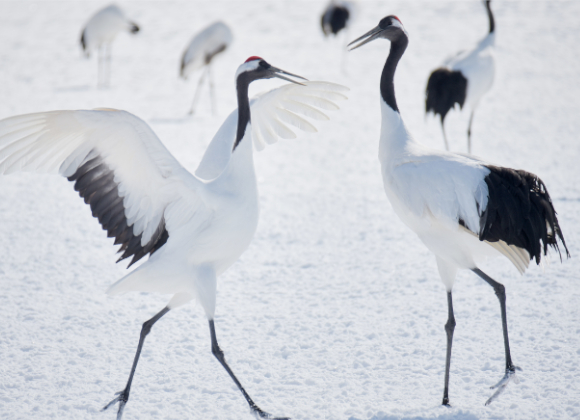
118	165
274	114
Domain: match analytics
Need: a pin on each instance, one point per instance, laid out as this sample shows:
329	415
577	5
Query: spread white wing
119	167
275	114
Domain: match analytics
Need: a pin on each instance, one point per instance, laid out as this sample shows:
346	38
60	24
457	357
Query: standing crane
462	208
202	49
194	227
336	17
99	33
463	79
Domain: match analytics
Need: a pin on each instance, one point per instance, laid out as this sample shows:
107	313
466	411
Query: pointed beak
370	36
279	74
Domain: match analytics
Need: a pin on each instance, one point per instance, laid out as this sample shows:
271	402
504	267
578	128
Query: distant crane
463	79
461	208
99	33
193	227
336	17
200	52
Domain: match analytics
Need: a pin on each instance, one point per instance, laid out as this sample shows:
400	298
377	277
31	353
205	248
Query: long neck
490	15
395	139
244	117
239	175
387	86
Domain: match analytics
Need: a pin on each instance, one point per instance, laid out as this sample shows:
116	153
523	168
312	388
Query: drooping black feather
334	19
95	183
445	88
520	212
134	28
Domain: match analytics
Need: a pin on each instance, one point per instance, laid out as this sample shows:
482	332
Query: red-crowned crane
462	208
193	226
337	16
463	80
200	52
99	33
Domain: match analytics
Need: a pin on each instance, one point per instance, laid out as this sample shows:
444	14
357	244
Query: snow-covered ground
336	310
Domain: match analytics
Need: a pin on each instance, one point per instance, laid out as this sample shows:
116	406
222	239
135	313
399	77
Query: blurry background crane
464	78
336	17
99	33
199	54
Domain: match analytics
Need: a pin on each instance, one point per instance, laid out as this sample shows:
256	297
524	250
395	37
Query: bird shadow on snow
459	415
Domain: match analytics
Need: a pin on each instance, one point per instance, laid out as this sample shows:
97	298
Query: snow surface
336	310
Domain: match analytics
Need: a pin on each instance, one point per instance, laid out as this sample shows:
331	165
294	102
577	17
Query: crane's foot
122	398
445	403
510	375
259	414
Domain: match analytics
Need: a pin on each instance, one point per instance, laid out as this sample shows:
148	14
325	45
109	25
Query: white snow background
336	310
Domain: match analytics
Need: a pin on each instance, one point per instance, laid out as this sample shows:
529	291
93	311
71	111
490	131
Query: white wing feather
274	115
148	177
423	185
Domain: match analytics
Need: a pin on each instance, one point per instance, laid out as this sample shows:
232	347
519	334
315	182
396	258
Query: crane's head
255	68
389	28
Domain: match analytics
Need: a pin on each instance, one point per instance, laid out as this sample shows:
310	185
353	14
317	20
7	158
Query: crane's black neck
490	15
398	47
244	118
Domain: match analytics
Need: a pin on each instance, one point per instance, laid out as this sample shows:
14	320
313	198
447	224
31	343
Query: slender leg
100	66
211	90
469	132
444	135
197	90
344	51
449	328
123	396
510	369
108	62
219	354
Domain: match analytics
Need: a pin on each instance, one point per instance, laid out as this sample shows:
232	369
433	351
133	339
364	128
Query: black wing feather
95	182
520	212
445	88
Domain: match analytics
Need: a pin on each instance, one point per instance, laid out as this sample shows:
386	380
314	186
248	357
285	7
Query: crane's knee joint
499	291
450	325
146	329
217	352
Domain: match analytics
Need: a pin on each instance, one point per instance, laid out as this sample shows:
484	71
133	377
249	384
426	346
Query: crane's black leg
197	90
219	354
123	396
444	134
211	90
469	132
449	328
510	368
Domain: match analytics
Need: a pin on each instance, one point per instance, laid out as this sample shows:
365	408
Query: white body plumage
204	46
104	26
431	191
478	67
210	218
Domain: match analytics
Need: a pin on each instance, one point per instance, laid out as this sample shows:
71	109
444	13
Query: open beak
370	36
279	74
